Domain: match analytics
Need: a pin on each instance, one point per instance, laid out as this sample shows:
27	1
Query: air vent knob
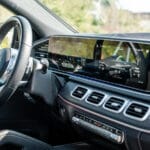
45	65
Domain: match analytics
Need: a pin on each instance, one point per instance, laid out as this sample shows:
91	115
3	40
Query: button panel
99	128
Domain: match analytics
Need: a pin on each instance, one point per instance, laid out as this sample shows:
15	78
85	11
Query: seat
76	146
12	140
21	141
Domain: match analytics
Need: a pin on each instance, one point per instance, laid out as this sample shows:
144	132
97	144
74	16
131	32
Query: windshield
103	16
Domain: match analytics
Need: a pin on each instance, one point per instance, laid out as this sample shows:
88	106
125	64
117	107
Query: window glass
4	15
103	16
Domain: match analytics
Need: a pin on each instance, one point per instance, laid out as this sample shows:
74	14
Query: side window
4	15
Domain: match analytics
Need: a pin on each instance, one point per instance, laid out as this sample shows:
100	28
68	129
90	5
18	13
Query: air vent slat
137	110
95	98
41	51
114	104
79	92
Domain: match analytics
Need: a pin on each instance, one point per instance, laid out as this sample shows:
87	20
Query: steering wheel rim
18	61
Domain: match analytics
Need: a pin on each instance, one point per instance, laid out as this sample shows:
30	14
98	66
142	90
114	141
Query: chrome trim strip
134	117
117	138
104	117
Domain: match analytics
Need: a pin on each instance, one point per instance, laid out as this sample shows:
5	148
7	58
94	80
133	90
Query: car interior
63	90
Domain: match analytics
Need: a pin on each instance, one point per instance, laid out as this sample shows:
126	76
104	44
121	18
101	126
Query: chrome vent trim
114	101
145	116
86	92
102	98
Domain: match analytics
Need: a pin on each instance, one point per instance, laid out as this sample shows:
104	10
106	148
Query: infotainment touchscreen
117	61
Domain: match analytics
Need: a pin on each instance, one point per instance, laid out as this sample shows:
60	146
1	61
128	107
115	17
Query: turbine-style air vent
41	51
114	104
79	92
95	98
137	110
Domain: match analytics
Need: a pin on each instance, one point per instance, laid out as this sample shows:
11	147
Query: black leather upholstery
76	146
24	141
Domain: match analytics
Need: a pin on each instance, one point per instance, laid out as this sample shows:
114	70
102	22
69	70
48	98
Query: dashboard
116	61
106	88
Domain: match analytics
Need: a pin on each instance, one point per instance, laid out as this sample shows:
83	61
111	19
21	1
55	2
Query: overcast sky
135	5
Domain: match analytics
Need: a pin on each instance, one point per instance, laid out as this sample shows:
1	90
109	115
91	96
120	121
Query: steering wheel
13	62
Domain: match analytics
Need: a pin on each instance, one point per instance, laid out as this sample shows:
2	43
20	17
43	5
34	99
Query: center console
121	120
